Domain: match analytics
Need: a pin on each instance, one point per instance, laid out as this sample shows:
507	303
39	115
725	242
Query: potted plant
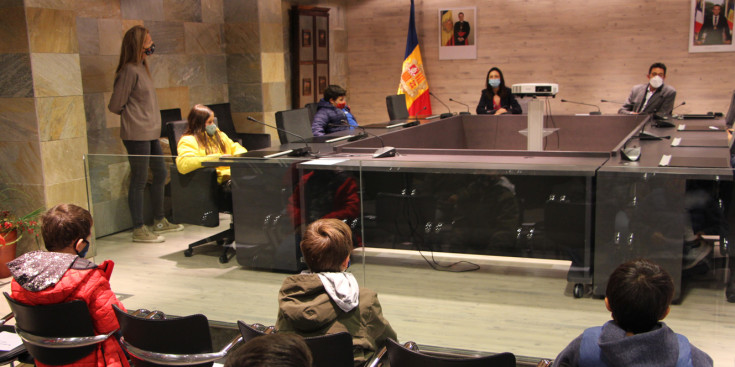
13	227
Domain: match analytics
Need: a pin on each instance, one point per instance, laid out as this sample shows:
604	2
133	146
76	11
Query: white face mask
656	81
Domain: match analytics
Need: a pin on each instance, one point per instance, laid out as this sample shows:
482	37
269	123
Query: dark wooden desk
565	202
640	206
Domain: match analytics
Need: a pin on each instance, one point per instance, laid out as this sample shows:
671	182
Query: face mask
149	51
84	251
494	83
341	105
211	129
656	81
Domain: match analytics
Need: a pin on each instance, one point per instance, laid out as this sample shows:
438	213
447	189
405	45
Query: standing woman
496	98
134	99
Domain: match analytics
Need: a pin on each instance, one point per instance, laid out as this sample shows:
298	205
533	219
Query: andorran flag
413	79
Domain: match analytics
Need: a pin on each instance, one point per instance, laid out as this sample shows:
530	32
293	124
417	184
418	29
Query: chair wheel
578	290
223	259
188	252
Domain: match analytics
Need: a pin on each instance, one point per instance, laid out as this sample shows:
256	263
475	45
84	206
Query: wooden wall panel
593	49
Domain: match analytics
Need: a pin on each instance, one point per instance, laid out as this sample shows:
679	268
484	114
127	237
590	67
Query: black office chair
312	107
402	356
181	341
331	350
396	105
56	334
195	199
251	141
173	114
18	353
297	122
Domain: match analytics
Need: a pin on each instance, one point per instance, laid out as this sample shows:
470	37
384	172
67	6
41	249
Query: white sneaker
143	234
164	226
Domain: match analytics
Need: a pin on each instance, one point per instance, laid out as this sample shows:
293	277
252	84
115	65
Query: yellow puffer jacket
191	155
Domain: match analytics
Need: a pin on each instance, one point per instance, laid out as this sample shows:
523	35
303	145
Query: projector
535	89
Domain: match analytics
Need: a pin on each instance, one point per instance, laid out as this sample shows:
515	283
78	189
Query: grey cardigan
134	99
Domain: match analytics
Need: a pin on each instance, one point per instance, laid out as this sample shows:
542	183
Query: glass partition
468	255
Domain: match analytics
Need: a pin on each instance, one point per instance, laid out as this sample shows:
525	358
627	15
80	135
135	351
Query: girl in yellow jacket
203	141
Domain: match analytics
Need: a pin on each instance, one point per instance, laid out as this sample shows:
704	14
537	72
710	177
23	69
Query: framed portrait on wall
322	36
322	84
458	33
306	87
305	38
711	25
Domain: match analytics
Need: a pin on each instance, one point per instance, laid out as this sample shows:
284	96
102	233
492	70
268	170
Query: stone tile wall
57	68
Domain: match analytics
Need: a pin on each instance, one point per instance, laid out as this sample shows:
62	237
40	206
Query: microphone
630	154
297	152
382	152
463	104
446	114
363	134
416	119
645	135
598	112
609	101
661	121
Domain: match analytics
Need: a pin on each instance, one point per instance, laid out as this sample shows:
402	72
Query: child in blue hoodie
638	294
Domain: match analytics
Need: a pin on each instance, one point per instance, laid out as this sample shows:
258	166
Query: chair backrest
248	332
181	335
173	114
70	319
255	141
312	107
400	356
331	350
396	105
730	116
296	122
224	119
174	131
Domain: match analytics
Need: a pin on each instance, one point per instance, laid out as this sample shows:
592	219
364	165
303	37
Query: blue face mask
493	83
84	251
211	129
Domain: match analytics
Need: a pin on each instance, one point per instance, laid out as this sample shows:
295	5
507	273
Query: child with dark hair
63	275
327	299
638	294
272	350
332	112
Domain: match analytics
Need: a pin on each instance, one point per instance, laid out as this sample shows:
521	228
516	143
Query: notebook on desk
262	154
392	124
705	143
699	127
329	138
700	116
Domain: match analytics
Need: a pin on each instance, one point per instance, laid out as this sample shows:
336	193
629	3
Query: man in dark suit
461	31
715	30
652	97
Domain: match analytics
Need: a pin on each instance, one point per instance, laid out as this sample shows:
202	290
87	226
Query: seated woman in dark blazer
497	99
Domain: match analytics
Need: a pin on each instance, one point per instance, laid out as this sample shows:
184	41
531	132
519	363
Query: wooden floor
522	306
